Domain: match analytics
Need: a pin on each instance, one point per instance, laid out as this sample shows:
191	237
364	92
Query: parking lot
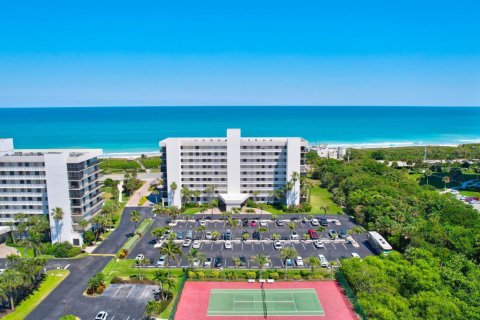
333	250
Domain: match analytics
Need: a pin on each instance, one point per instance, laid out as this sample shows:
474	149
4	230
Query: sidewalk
5	251
143	191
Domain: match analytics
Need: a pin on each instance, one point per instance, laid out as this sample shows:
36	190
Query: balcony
18	177
6	169
16	185
13	211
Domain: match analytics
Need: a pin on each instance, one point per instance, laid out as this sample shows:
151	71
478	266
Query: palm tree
236	262
320	229
261	260
213	204
313	262
57	215
195	254
173	188
171	251
10	282
186	195
155	193
84	224
428	173
292	226
164	281
446	180
210	190
287	253
158	232
135	217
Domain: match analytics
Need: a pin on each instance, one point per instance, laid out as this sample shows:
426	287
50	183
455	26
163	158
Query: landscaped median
52	280
139	232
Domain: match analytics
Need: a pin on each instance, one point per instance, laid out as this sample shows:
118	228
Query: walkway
137	195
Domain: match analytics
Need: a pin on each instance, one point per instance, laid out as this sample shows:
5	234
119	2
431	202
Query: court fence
181	284
357	307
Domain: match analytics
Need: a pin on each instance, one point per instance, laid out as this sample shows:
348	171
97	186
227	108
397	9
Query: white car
294	236
263	223
277	245
228	244
196	263
355	255
208	262
299	261
102	315
196	244
318	244
208	235
167	234
187	243
158	244
173	223
140	257
161	261
323	260
314	222
203	223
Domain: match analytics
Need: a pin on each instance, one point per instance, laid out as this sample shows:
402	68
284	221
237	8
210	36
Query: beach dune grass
52	280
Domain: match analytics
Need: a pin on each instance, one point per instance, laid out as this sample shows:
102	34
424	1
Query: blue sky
88	53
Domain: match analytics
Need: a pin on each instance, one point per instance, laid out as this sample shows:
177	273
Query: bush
215	274
200	275
296	277
251	275
250	210
61	250
274	275
142	201
108	183
88	237
122	254
68	317
192	275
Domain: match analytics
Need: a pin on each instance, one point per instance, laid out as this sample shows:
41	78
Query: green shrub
274	275
296	277
61	250
192	275
122	164
88	237
200	275
142	201
68	317
251	275
152	162
122	253
108	183
215	274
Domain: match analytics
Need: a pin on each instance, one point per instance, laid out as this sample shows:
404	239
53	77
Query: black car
256	236
323	222
342	234
294	219
280	223
227	235
245	222
218	263
243	261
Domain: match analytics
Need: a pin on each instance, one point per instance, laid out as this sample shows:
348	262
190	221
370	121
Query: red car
312	234
253	223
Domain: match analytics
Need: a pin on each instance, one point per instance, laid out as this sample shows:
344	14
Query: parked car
172	223
342	234
208	235
218	263
277	245
268	262
263	223
312	233
253	223
208	262
180	235
203	223
314	222
324	222
158	244
187	243
161	261
323	260
167	234
355	255
102	315
256	235
294	219
140	257
228	244
227	235
332	234
196	244
245	222
289	262
299	261
243	261
196	263
318	244
189	235
294	236
280	223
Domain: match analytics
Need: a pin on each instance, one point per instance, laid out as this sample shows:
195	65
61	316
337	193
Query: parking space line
333	244
130	291
344	245
263	248
303	244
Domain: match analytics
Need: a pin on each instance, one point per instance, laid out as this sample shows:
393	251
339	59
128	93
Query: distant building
324	151
34	182
238	168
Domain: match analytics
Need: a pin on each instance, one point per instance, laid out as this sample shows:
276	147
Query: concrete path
6	251
143	191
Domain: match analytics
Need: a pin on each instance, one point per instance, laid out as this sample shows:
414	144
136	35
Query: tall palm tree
261	260
186	195
287	253
236	262
428	173
195	254
84	224
164	281
446	180
155	193
213	204
173	188
209	191
292	226
10	282
135	217
57	215
171	251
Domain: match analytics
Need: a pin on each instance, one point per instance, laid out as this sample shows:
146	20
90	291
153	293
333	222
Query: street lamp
64	307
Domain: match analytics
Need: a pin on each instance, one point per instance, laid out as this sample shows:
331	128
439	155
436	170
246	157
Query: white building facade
34	182
237	168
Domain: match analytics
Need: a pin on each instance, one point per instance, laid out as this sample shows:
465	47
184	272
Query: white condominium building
37	181
237	168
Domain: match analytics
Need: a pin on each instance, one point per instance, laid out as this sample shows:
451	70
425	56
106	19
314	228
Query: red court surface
193	303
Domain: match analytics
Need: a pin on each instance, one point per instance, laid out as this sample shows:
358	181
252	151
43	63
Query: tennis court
268	302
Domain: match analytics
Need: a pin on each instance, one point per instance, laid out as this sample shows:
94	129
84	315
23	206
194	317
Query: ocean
139	129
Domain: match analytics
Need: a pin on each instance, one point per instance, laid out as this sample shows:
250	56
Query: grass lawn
52	280
322	197
470	193
193	210
24	252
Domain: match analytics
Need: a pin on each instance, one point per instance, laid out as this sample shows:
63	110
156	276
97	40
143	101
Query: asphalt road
333	250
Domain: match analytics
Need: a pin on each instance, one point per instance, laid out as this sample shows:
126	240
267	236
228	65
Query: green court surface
257	302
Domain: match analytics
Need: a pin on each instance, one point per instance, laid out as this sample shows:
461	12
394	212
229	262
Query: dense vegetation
119	164
465	151
435	273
